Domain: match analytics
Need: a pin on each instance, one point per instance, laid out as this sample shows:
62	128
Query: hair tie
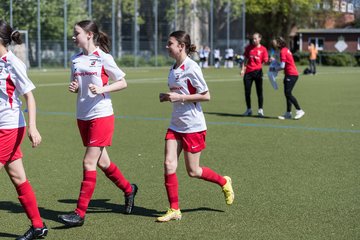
12	33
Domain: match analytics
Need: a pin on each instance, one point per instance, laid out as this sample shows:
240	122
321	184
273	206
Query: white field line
164	80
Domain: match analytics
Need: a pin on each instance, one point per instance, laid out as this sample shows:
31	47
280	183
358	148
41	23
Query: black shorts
254	75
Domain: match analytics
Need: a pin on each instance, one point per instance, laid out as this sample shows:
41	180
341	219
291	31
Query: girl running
291	76
187	129
14	82
90	73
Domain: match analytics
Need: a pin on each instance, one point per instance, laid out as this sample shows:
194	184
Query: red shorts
10	141
191	142
97	132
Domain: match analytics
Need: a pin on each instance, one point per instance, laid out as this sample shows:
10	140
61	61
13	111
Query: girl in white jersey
90	73
14	82
187	129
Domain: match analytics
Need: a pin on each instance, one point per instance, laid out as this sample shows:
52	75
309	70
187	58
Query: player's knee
169	164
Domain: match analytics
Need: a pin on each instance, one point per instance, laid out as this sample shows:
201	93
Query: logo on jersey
93	62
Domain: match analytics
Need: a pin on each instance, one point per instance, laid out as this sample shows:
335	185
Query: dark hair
183	37
101	39
7	34
281	42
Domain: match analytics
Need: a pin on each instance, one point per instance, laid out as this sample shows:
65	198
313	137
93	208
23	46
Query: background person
313	52
255	55
14	83
291	76
187	128
90	73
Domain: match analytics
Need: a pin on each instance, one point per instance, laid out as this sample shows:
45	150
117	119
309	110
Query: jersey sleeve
19	77
111	68
197	79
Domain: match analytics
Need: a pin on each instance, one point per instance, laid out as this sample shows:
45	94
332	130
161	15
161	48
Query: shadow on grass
104	206
238	115
8	235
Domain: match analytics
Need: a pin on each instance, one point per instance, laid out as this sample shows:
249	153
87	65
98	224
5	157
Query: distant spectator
202	56
217	58
206	55
229	58
312	57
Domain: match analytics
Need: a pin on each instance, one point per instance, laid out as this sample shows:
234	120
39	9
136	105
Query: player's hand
95	89
175	97
34	136
74	86
164	97
242	72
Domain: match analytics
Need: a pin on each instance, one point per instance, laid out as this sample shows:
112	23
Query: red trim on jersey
183	67
104	76
191	88
4	58
10	88
96	53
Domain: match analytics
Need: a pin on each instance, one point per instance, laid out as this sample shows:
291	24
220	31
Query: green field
292	179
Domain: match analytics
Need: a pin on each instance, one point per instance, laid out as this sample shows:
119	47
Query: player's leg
248	81
173	148
115	175
27	198
259	92
92	156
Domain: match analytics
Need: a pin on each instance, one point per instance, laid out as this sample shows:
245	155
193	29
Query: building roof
331	30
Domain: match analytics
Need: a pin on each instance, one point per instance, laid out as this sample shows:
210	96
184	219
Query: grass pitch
292	179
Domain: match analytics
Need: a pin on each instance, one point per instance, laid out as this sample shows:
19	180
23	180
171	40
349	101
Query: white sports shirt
13	83
95	68
187	117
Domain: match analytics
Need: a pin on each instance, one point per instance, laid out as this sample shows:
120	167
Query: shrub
338	59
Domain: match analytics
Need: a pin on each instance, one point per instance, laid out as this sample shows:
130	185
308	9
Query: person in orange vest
312	57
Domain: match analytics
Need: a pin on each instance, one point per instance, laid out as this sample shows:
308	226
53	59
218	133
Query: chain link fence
138	29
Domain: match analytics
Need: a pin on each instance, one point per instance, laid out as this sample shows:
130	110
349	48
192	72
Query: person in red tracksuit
255	55
291	76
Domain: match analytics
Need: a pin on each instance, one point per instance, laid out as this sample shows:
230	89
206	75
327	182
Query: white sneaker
299	114
287	115
248	112
260	112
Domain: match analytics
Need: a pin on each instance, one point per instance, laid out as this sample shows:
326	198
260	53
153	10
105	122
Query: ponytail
16	37
7	34
103	42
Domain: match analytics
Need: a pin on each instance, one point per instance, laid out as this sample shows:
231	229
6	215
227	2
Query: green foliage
162	61
128	60
339	59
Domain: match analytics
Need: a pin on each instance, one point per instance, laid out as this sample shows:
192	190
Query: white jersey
187	117
217	53
95	68
14	82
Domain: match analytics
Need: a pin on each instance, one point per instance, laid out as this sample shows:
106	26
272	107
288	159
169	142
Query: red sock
86	192
114	174
211	176
171	184
28	201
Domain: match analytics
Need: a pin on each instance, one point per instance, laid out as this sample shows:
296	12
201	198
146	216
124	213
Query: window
319	42
358	47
